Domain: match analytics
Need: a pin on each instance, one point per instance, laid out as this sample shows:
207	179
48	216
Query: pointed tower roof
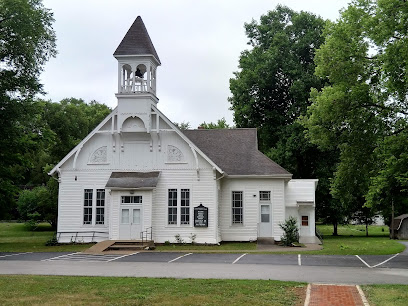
137	41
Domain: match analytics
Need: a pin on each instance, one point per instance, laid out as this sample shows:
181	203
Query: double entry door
130	217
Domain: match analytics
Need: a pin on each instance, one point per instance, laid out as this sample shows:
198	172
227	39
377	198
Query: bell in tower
138	61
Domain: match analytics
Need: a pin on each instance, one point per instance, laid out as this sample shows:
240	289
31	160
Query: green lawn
70	290
225	246
352	241
79	290
15	237
386	295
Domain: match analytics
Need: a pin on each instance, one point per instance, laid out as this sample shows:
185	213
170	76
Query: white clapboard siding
300	190
202	190
70	205
250	187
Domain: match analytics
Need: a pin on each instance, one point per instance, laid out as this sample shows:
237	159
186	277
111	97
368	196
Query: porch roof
133	180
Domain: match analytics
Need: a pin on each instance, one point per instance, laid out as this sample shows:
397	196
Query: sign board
201	216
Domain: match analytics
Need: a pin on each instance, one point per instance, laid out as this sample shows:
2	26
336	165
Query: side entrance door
130	217
265	226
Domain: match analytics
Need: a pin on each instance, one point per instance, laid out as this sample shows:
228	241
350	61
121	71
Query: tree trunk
366	227
335	228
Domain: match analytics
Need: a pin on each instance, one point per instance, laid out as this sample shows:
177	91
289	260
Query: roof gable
137	41
235	151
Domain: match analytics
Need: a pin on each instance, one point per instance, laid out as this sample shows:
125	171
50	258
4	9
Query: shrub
290	231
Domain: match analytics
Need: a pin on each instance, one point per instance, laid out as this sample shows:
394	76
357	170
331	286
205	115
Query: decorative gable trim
80	145
193	147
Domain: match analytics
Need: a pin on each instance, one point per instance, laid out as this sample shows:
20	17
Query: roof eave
254	176
117	56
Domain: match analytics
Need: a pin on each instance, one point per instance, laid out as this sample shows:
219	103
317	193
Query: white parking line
15	254
179	257
364	261
299	260
48	259
236	260
381	263
122	256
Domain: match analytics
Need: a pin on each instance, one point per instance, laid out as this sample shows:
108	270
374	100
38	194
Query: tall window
100	206
185	206
178	206
237	207
172	206
88	193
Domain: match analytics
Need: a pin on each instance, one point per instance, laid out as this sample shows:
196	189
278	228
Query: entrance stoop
119	246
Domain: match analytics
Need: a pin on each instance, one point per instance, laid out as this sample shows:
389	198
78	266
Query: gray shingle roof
133	180
137	41
235	151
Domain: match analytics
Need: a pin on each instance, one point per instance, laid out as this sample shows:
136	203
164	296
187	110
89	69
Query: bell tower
137	66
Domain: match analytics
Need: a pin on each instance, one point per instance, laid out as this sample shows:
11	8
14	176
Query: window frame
181	208
92	209
263	192
234	208
304	219
87	210
100	206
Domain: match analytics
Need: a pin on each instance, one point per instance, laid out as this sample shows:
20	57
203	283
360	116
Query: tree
27	41
271	91
290	231
221	124
366	100
183	125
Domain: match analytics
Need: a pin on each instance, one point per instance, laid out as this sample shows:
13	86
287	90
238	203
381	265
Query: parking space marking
85	257
381	263
122	256
8	255
236	260
48	259
179	257
363	261
299	260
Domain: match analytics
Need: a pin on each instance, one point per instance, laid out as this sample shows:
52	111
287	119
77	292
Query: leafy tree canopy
27	41
366	101
271	89
221	124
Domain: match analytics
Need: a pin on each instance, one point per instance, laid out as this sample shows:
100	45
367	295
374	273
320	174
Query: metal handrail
146	233
81	234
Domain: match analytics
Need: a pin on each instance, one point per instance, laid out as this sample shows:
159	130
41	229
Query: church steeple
138	61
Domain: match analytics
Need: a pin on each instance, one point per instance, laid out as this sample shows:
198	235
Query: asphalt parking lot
398	261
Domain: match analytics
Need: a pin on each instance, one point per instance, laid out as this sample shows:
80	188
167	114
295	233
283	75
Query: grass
225	246
386	295
352	241
74	290
16	237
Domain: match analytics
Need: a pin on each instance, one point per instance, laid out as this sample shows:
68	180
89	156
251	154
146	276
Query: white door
130	217
265	226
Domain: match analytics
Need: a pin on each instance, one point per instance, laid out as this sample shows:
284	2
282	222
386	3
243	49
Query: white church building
136	173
